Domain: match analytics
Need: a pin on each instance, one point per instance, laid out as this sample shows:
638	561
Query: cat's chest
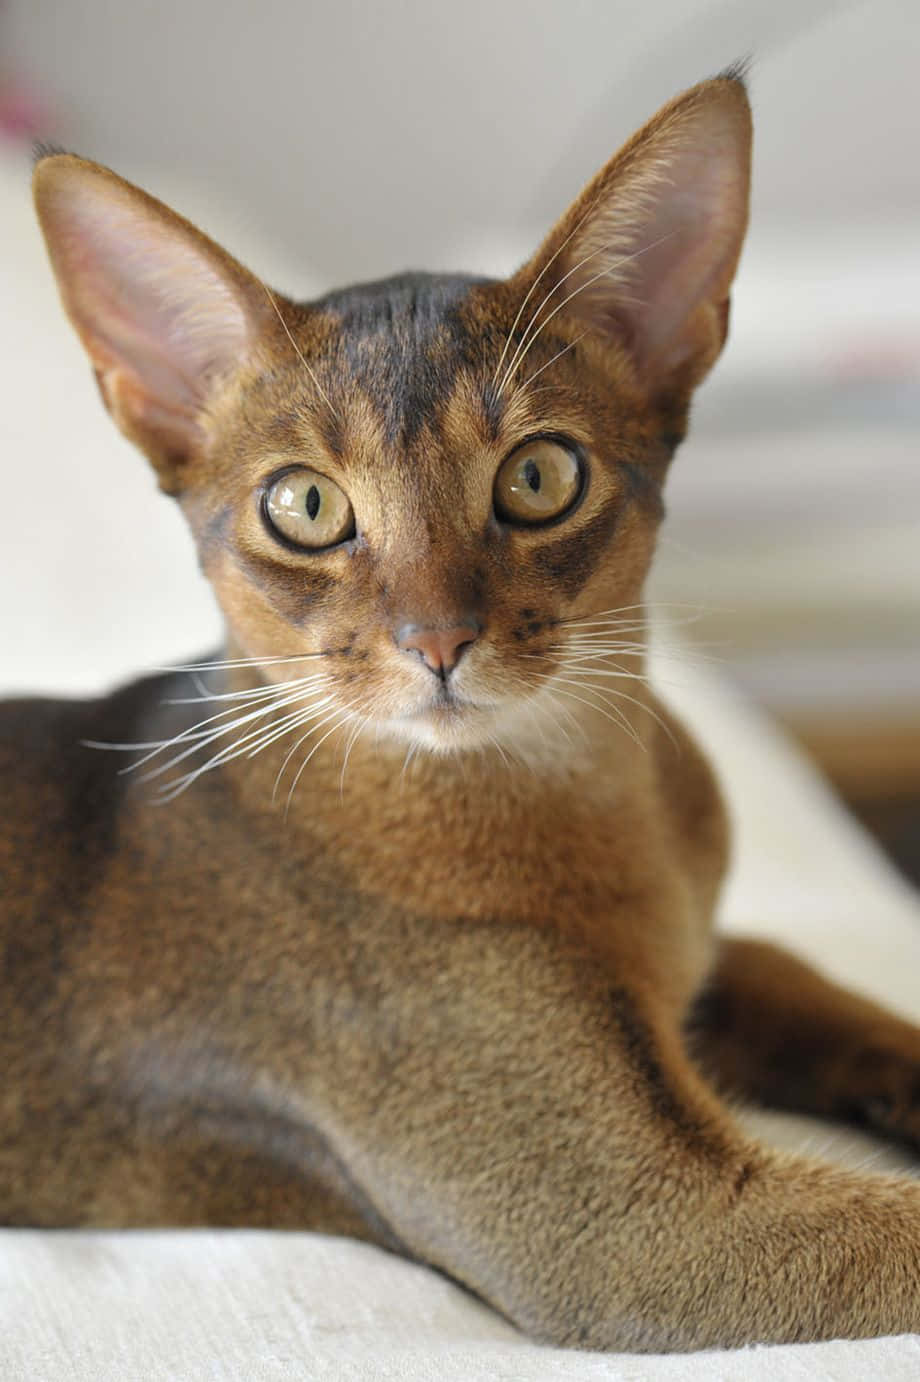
216	906
457	855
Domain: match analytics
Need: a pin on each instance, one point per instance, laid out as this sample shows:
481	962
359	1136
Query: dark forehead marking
403	340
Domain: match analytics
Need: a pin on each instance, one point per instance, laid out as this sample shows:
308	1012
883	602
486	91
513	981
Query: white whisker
634	700
239	746
526	344
299	353
199	734
612	713
346	716
254	693
359	725
533	287
571	346
239	662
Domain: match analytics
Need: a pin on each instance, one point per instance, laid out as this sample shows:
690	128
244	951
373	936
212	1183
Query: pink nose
440	649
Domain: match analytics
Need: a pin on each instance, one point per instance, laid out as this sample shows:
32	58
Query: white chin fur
462	731
528	730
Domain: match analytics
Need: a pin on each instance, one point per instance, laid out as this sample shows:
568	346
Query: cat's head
446	489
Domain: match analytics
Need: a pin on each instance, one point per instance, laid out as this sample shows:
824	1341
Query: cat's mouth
445	720
444	704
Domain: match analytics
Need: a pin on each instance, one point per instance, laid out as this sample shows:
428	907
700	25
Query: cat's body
424	968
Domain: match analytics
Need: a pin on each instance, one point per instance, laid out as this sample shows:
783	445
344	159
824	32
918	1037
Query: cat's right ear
646	256
164	313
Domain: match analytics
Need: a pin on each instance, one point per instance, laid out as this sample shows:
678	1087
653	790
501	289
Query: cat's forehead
405	305
402	344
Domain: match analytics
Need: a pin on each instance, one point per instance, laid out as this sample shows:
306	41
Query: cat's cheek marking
643	487
570	561
291	591
214	535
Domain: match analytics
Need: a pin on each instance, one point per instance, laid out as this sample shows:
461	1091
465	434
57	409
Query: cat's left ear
164	313
646	255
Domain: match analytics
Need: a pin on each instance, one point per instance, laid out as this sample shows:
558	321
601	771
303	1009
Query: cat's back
61	797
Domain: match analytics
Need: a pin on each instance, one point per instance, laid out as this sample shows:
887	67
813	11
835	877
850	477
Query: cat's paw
882	1090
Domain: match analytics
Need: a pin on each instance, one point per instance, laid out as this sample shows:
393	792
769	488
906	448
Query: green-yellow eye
309	510
538	481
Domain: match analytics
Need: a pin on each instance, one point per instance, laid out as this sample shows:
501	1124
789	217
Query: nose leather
440	649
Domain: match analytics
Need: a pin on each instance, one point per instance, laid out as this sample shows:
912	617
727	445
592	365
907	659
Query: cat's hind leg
768	1028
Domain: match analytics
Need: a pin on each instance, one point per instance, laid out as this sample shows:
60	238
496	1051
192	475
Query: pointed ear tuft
646	255
162	311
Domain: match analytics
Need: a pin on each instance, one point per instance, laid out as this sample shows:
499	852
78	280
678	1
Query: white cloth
263	1307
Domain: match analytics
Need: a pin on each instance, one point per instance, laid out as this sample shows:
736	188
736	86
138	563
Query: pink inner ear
693	241
652	260
160	319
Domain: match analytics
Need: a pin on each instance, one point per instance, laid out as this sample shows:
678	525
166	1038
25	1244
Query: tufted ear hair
164	313
646	255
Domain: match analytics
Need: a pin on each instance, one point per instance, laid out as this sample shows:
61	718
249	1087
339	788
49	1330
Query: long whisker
290	754
346	716
560	686
248	744
634	700
352	738
299	353
643	607
541	693
239	662
199	734
571	346
533	287
582	663
254	693
525	345
232	750
238	748
279	733
410	754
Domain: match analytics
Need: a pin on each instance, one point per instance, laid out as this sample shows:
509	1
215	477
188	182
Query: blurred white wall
363	138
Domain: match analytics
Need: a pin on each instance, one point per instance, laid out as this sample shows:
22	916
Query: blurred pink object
22	114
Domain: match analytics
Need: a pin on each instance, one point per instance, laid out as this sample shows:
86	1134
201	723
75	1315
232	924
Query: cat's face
428	502
433	537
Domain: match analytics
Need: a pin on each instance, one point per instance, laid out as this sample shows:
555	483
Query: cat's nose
440	649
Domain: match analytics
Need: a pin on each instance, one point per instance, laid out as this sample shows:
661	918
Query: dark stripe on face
643	487
216	532
292	591
569	560
403	341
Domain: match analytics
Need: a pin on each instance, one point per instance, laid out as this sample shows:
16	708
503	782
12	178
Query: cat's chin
453	727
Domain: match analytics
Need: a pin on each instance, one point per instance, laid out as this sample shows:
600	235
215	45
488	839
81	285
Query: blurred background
329	140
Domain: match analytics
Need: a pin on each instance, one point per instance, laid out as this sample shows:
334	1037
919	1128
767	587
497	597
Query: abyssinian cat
469	1007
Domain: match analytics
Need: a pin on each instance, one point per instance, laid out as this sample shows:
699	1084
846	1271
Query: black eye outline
576	451
265	489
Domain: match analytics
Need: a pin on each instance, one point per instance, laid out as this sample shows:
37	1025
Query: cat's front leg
543	1138
769	1028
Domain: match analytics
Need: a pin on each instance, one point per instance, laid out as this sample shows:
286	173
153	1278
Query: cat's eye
308	509
538	482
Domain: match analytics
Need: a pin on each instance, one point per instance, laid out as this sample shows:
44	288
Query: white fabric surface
120	593
261	1307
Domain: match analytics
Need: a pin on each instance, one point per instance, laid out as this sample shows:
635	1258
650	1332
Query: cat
402	927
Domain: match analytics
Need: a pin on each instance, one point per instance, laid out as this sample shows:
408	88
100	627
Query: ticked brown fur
453	988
